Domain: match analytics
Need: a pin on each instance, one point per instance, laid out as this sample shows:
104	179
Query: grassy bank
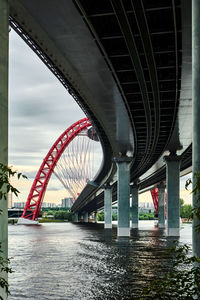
46	220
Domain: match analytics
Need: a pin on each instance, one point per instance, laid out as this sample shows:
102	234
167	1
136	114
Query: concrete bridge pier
196	116
173	197
4	8
123	194
161	205
95	217
76	217
86	217
134	208
107	207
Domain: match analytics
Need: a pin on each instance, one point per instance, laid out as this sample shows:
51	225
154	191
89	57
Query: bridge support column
196	116
86	217
107	207
123	194
4	8
76	217
95	217
161	205
173	198
134	207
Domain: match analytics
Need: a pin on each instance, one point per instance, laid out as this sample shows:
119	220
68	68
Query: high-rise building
67	202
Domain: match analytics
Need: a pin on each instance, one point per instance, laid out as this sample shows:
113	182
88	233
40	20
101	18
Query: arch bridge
128	65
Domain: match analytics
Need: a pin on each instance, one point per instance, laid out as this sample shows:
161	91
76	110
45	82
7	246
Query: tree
5	186
186	211
63	215
100	216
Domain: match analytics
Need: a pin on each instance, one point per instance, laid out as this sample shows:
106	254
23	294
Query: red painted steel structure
155	197
38	189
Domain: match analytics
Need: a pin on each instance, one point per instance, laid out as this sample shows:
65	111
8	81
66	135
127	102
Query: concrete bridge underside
128	65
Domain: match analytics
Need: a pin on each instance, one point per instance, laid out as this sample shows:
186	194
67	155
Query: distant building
67	202
19	204
146	207
50	205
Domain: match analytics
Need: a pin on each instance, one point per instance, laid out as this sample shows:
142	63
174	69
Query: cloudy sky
40	109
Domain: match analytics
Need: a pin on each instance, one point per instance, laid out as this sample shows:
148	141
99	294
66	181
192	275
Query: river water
64	261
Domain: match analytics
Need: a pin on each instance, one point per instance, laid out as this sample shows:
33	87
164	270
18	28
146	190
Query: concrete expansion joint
172	157
161	185
122	159
107	186
135	184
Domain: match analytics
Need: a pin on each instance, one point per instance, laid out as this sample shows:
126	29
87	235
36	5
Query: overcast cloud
40	109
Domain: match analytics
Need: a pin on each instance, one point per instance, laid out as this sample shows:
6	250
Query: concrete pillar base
95	217
123	231
108	226
22	221
75	217
86	217
134	225
173	232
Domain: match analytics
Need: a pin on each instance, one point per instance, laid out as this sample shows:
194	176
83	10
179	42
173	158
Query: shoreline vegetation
64	214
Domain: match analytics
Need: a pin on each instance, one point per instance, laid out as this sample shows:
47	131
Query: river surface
64	261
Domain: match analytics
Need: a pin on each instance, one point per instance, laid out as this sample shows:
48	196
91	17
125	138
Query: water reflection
78	261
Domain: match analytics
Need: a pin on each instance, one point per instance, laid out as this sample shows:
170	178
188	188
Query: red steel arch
155	197
39	186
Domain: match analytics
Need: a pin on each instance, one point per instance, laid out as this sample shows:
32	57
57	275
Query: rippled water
57	261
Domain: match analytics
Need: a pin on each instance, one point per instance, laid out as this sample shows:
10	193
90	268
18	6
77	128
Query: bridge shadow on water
84	261
128	264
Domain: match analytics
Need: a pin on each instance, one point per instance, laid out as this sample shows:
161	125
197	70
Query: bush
100	216
63	215
114	217
146	216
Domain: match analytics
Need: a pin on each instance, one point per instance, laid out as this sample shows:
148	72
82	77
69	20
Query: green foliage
182	282
114	216
4	268
146	216
5	186
63	215
6	174
186	211
100	216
